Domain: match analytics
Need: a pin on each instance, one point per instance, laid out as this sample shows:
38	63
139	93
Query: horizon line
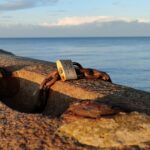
78	37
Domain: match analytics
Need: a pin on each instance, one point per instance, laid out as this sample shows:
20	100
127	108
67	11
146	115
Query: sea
125	59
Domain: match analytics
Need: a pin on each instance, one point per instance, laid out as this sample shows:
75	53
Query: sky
74	18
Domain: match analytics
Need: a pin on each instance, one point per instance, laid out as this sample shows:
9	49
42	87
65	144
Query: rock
87	109
5	52
80	114
114	132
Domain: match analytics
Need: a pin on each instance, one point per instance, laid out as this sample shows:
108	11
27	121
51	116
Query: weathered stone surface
118	131
88	109
130	130
21	131
32	72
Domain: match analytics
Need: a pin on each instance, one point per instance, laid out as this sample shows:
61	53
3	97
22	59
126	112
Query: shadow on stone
23	95
9	86
58	102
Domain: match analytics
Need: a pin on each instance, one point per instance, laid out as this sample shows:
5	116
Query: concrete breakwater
58	128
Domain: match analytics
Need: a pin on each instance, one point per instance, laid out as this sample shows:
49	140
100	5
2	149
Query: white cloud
23	4
75	21
89	26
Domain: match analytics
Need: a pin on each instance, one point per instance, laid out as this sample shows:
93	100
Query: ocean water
126	59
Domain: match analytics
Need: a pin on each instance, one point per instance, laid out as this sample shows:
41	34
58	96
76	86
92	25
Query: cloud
76	21
23	4
95	26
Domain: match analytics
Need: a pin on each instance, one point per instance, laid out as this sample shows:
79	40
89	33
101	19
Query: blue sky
55	18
